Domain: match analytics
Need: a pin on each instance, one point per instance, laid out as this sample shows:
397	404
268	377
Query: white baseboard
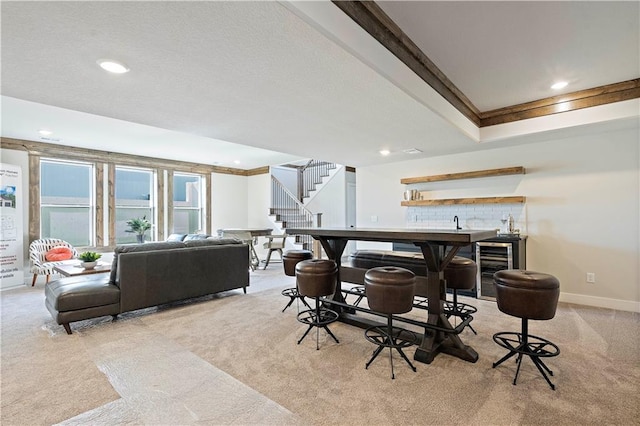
600	302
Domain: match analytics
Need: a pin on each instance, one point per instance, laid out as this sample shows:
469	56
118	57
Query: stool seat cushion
460	273
527	294
519	278
301	254
316	277
390	289
290	259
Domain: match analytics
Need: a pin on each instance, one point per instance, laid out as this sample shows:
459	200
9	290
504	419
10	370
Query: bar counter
438	247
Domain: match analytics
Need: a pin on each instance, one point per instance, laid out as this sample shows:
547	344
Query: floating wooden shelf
451	201
519	170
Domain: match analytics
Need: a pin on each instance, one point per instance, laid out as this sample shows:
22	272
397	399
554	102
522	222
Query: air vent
411	151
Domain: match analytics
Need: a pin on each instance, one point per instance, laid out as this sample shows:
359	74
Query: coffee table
72	268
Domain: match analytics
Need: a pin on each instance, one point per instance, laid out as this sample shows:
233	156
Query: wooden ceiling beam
380	26
562	103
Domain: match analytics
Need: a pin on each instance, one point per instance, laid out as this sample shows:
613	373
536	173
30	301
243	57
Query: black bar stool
289	260
460	274
390	290
317	278
527	295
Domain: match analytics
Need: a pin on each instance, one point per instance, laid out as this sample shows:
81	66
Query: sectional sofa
145	275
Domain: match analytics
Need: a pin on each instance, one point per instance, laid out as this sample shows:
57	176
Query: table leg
255	260
334	249
434	341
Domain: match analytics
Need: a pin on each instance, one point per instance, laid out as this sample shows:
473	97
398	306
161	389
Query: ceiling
265	83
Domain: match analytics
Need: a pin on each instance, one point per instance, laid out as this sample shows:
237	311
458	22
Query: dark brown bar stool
317	278
290	259
527	295
460	274
390	290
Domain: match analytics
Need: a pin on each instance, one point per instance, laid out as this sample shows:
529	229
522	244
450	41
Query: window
187	203
135	198
67	201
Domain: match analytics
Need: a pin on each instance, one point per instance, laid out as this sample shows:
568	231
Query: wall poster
11	235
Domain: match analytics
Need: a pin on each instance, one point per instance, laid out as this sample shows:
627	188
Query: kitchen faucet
455	219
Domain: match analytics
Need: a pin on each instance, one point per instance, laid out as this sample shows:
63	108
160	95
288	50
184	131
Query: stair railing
293	213
311	174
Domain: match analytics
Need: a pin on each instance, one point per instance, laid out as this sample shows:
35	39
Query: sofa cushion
74	293
131	248
211	241
58	253
176	237
190	237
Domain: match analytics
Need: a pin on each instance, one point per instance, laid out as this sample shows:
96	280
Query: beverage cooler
496	254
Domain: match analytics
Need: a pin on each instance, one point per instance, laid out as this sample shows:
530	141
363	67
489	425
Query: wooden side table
72	268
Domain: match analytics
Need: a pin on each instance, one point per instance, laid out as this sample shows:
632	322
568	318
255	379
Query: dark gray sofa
152	274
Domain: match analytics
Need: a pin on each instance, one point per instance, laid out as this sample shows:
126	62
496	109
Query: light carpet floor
233	359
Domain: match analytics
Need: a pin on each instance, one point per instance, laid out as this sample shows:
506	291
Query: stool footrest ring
318	318
527	344
459	309
532	345
400	338
294	294
311	317
393	338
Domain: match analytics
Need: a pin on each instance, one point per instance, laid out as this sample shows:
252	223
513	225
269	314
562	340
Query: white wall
287	176
582	209
331	200
258	202
229	201
21	158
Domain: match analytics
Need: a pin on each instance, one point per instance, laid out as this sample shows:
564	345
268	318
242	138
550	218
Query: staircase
312	175
288	210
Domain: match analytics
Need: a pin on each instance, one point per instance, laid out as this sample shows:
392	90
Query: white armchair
37	251
274	243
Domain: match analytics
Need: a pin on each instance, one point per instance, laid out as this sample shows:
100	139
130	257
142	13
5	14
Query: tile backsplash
470	216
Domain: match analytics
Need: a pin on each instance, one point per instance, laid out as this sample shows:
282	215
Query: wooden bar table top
438	247
255	232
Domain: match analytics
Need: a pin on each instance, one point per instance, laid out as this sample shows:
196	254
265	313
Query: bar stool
460	274
390	290
527	295
290	259
317	278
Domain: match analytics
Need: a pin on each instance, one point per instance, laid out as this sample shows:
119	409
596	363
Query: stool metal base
359	291
526	344
319	317
461	310
293	294
392	338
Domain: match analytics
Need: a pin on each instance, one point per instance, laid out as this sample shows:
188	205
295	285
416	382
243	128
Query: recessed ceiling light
559	85
45	132
385	152
113	66
236	161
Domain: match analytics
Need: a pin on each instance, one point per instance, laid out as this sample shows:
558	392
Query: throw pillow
58	253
